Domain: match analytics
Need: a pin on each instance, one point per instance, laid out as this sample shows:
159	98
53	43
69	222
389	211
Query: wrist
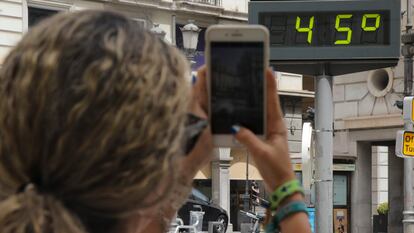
283	216
284	192
293	197
276	183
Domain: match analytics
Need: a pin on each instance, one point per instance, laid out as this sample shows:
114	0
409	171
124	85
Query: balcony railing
208	2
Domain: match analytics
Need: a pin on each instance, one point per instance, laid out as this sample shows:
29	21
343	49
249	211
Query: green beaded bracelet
287	189
284	212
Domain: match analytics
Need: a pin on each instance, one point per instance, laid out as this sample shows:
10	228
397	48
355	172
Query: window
204	186
199	195
340	190
140	22
38	14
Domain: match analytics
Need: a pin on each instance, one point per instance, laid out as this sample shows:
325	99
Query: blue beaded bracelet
284	212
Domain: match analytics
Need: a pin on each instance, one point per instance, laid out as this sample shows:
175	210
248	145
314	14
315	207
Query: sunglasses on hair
194	126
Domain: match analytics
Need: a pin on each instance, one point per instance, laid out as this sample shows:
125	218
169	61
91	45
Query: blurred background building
224	180
366	170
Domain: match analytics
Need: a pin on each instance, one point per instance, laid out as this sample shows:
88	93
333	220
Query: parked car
213	213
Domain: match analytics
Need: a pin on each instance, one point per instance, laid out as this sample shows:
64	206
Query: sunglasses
194	126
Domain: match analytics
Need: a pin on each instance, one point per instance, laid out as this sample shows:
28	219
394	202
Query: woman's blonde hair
92	112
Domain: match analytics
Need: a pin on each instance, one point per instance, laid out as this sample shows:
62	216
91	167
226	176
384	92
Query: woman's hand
202	153
271	156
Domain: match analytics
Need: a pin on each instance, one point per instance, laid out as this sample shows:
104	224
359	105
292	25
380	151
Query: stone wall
235	5
359	104
352	97
292	109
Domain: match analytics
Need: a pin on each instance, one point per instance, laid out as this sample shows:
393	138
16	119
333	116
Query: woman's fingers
275	122
254	144
200	155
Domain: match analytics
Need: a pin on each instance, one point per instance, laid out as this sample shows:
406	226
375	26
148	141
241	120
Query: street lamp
156	30
190	39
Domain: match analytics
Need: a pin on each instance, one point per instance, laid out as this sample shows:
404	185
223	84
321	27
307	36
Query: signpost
408	148
405	148
405	138
408	113
405	144
327	38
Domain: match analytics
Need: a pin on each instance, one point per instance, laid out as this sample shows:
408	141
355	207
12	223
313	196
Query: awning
299	93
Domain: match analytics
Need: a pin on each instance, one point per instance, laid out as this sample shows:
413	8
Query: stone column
395	191
220	179
361	216
379	176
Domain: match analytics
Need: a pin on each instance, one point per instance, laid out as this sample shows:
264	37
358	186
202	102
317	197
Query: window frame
46	5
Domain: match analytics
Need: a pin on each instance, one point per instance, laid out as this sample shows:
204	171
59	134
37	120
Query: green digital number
305	29
366	28
343	29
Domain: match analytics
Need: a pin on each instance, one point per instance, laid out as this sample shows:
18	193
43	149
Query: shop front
341	195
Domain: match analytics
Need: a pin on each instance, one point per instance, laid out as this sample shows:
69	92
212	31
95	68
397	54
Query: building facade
224	180
366	121
366	171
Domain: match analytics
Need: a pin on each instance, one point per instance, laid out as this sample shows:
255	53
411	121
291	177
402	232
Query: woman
92	119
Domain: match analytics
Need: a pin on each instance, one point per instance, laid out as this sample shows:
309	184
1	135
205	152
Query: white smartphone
237	57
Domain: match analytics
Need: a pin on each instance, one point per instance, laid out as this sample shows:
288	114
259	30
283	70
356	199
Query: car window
197	195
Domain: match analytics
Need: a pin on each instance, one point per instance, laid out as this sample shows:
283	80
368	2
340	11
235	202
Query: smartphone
237	57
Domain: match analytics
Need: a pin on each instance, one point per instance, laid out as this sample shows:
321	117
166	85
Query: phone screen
237	80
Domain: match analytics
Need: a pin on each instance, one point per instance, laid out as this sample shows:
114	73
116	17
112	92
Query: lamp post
156	30
190	33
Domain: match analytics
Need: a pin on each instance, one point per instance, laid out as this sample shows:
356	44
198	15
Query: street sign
339	37
408	113
405	139
405	144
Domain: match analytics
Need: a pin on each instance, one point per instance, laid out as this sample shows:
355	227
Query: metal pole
408	58
324	153
173	24
409	24
173	33
408	213
408	75
246	186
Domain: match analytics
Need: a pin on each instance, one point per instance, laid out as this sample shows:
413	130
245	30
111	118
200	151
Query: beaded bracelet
287	189
284	212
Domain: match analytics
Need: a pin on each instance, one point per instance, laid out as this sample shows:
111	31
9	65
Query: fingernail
272	69
235	129
194	80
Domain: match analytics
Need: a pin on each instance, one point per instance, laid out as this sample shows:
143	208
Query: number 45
338	27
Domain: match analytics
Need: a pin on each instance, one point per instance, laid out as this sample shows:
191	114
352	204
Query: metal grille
208	2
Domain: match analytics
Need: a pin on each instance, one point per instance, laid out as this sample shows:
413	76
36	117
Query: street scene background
368	178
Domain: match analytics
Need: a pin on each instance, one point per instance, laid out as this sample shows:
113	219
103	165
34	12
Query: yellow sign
408	143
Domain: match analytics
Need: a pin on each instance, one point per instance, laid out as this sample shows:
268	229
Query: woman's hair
92	113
